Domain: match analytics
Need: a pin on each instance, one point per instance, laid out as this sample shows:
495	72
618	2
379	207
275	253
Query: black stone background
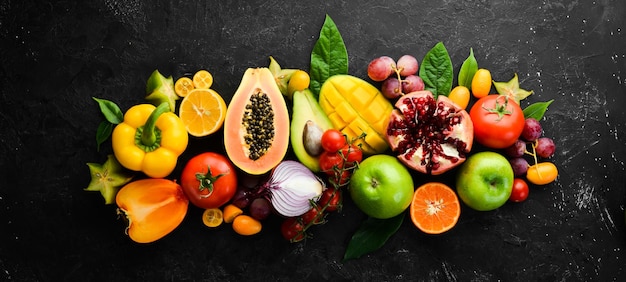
56	55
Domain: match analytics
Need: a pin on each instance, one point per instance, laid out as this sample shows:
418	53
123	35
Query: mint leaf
329	56
436	70
371	235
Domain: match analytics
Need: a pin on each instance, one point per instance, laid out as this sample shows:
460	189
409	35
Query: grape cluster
541	147
398	78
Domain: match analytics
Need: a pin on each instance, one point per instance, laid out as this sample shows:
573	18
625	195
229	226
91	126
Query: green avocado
306	110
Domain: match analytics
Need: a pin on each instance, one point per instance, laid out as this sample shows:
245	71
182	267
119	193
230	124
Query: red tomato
331	199
329	162
314	215
520	190
352	153
209	180
333	140
498	121
292	229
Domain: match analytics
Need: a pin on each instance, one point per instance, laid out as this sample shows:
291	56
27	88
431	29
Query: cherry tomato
292	230
209	180
329	162
314	215
352	153
331	199
520	190
333	140
498	121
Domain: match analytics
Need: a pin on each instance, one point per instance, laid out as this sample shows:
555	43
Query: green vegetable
329	56
371	235
112	114
512	90
537	110
436	70
160	89
467	71
108	178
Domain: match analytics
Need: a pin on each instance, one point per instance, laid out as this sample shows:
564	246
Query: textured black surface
56	55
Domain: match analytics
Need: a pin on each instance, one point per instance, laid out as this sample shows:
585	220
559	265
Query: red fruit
430	136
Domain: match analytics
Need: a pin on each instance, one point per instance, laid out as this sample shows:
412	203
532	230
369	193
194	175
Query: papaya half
256	127
356	108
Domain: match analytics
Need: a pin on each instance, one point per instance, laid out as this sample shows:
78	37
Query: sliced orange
230	212
183	86
202	79
202	111
212	217
435	208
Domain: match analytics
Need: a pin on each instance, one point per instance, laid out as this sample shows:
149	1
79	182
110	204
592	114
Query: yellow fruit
299	81
202	111
202	79
460	95
230	212
212	217
182	86
481	83
246	225
355	107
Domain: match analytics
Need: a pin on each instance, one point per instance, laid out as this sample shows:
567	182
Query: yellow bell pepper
149	140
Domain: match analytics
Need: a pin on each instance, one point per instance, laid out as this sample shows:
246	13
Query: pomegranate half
429	135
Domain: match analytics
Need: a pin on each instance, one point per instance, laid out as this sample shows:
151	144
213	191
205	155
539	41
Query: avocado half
306	108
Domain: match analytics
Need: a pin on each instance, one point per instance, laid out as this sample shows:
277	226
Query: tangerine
435	208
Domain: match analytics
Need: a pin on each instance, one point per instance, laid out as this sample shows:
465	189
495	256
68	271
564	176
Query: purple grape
391	88
545	147
407	65
241	199
519	165
516	150
260	208
532	129
412	83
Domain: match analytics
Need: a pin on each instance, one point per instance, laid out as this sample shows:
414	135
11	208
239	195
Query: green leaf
371	235
436	70
329	56
110	110
467	71
537	110
105	129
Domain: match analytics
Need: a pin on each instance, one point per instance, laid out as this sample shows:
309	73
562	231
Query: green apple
381	187
484	182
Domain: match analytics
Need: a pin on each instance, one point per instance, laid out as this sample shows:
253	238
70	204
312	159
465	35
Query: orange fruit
212	217
230	212
460	95
202	111
435	208
481	83
202	79
246	225
182	86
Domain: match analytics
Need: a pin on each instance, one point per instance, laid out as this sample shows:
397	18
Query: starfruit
357	108
160	89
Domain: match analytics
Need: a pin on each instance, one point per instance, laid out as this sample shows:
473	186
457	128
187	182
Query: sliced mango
354	107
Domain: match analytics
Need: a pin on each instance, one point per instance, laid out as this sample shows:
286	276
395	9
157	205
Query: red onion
292	186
